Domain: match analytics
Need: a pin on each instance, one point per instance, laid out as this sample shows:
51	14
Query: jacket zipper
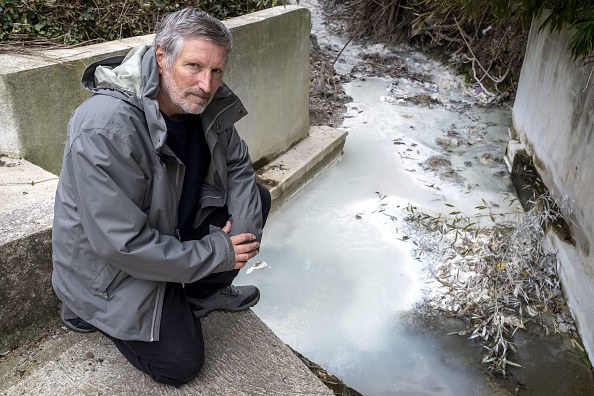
178	190
156	311
159	307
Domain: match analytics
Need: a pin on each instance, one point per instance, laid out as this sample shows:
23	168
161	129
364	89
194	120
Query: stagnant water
343	279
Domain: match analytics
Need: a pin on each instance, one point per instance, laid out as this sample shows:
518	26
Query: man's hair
190	23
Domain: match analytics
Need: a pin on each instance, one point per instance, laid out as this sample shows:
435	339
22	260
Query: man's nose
204	80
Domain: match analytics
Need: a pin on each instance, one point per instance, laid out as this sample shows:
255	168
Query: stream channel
343	281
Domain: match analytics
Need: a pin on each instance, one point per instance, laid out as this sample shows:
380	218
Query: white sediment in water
342	277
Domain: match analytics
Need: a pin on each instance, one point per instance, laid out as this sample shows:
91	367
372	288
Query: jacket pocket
106	280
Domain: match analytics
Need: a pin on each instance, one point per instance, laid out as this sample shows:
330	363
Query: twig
344	47
475	59
588	82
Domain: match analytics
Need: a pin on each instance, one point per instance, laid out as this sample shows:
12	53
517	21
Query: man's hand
244	245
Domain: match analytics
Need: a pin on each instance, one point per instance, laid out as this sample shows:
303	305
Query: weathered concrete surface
553	120
22	183
269	70
311	156
243	357
27	301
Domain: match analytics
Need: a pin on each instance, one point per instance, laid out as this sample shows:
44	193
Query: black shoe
229	298
73	322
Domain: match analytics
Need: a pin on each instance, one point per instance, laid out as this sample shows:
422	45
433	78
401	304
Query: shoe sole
70	325
204	312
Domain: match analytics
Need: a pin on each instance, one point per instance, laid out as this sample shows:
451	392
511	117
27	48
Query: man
157	208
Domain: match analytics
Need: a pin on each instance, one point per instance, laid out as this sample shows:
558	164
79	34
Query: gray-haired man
157	208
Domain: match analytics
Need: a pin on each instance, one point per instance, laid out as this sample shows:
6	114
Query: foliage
52	22
498	278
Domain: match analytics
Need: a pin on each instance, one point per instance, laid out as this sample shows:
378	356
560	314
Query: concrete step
291	171
243	357
27	301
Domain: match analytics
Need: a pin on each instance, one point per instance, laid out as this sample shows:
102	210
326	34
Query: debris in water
258	265
497	278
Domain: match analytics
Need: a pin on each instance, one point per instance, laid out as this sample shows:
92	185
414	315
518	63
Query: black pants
178	356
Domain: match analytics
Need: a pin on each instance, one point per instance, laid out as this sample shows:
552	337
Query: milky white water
342	277
343	281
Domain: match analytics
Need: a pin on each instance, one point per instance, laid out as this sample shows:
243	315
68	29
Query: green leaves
70	22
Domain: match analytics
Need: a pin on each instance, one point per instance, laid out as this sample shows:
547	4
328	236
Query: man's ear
160	57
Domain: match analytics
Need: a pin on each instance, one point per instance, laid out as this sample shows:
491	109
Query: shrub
54	22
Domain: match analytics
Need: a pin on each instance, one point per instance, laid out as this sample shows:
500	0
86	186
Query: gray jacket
114	233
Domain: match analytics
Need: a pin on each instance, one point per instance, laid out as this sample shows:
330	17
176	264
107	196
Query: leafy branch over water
497	278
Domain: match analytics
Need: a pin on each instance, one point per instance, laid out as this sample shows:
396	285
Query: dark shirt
185	138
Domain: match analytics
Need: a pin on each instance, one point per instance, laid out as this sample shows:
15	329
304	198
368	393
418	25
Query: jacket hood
127	76
133	73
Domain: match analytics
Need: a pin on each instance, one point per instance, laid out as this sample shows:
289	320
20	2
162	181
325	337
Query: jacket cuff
214	230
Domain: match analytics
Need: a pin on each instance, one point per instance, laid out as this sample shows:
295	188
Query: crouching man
157	208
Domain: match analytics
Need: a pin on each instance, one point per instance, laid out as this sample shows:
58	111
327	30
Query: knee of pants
266	200
181	371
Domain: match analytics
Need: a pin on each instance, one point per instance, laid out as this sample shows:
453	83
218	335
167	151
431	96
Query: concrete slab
27	302
23	183
288	173
243	357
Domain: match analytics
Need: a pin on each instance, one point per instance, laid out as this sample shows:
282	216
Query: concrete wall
269	70
270	73
553	121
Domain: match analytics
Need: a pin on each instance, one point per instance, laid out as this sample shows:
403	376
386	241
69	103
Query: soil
331	381
327	99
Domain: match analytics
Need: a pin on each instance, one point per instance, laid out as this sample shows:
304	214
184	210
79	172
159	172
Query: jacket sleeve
111	188
243	201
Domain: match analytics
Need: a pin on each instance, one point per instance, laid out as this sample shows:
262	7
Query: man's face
190	83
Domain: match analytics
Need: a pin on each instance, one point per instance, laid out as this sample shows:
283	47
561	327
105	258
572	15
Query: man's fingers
244	253
241	238
240	264
227	227
246	247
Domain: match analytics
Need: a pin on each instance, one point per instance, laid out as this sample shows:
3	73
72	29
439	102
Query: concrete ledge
268	69
288	173
27	302
243	357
